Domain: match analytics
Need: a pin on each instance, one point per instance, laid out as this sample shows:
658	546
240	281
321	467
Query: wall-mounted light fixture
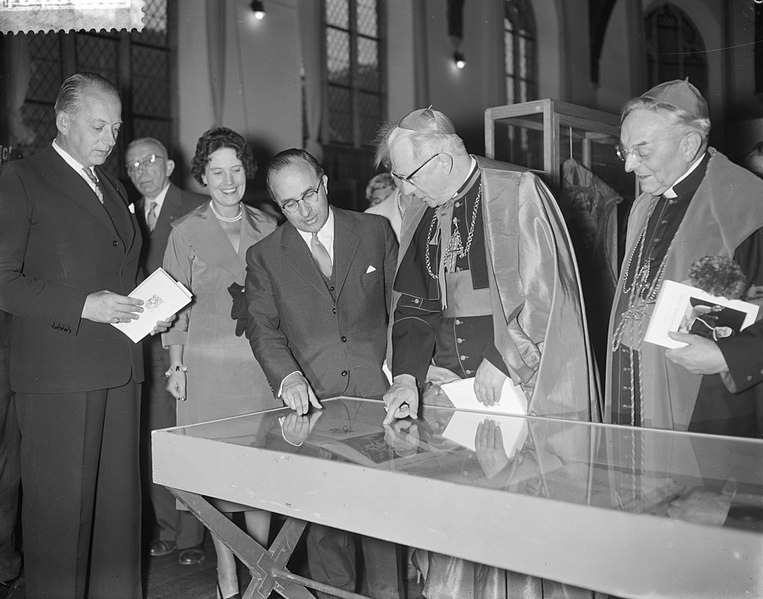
456	30
258	8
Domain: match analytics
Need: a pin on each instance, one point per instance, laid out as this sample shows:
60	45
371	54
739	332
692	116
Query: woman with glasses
213	373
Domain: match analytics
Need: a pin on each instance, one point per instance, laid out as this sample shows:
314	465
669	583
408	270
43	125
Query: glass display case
630	512
572	148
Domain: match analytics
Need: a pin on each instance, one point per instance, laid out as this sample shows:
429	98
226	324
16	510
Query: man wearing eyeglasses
694	203
318	293
161	202
486	288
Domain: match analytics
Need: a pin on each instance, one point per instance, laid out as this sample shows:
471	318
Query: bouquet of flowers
719	276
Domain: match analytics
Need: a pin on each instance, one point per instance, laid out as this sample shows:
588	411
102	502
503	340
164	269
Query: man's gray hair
677	116
70	93
424	143
148	140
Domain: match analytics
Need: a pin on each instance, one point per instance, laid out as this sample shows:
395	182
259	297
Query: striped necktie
321	256
151	216
96	183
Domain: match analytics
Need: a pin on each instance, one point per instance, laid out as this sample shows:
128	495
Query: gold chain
451	250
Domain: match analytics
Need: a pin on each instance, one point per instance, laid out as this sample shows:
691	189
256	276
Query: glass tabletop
702	479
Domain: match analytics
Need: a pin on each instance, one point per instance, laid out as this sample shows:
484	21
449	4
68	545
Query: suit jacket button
344	373
333	310
331	289
344	339
115	243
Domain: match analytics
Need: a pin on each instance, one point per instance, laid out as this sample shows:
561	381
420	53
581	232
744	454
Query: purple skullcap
426	119
679	93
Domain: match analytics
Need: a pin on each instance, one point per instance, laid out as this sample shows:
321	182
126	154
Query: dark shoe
162	548
191	556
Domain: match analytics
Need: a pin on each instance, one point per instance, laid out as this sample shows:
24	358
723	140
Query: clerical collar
469	181
671	193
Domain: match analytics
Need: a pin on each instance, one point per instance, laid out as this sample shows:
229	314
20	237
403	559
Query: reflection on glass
709	480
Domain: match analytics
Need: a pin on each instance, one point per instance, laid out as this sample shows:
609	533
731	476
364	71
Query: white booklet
462	396
162	297
688	309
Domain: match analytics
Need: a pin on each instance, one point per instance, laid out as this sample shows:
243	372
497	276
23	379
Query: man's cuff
283	380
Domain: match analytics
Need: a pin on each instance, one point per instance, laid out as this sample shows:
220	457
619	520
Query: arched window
519	51
137	63
674	48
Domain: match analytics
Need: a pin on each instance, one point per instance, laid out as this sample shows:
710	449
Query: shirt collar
72	162
671	193
159	199
325	235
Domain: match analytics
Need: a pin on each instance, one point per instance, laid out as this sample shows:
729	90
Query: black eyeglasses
310	197
133	167
407	178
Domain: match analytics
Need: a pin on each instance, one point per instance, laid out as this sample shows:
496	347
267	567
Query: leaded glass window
137	63
674	48
354	90
519	51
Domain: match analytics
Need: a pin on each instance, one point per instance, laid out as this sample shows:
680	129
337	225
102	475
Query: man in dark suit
10	560
150	168
318	292
69	252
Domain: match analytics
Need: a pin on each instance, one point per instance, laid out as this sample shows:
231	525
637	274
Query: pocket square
370	269
131	207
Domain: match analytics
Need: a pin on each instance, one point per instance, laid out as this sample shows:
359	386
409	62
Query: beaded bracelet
175	368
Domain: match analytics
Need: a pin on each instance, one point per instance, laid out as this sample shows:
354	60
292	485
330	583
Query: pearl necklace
227	219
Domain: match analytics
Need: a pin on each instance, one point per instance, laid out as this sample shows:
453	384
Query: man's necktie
151	216
96	183
321	255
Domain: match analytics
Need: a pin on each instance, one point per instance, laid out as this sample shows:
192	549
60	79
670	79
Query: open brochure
688	309
462	396
162	297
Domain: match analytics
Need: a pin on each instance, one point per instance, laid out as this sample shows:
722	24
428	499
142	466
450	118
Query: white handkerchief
131	207
370	269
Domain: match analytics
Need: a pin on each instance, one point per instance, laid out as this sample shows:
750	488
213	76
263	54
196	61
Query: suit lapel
116	207
73	186
171	207
298	256
346	244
